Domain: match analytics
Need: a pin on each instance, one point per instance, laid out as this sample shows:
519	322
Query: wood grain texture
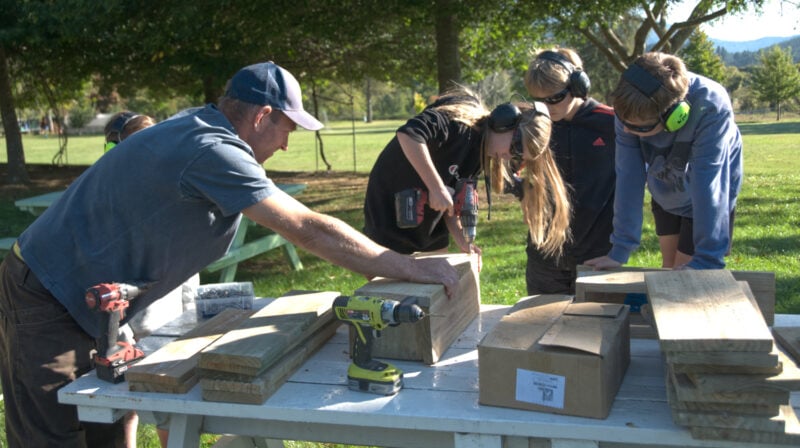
788	379
257	390
172	369
269	334
685	390
789	339
789	434
613	284
725	359
429	338
705	310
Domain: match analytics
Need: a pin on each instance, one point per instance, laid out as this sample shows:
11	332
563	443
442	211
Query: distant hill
750	45
742	54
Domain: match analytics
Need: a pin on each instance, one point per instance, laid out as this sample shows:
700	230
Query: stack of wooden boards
617	286
241	356
726	377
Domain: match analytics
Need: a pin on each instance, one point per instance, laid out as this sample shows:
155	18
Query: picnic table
438	407
241	249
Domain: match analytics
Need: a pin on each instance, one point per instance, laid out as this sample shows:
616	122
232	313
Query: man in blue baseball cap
161	206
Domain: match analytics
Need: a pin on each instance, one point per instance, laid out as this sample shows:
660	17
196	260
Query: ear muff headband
114	134
676	115
578	82
504	118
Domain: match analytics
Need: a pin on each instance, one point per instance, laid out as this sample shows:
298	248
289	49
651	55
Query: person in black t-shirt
455	138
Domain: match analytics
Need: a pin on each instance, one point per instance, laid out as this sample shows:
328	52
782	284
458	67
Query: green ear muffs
676	116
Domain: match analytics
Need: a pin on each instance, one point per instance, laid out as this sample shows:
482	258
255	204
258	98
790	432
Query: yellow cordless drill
369	314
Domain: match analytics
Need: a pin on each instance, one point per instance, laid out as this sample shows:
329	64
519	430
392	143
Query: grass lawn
766	237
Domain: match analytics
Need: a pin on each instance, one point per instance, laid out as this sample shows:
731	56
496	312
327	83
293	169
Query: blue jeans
41	350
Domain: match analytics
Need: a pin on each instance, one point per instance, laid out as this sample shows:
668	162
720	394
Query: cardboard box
550	354
446	318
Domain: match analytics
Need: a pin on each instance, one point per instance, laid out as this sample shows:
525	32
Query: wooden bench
241	250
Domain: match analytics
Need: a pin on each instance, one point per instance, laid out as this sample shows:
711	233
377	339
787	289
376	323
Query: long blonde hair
545	203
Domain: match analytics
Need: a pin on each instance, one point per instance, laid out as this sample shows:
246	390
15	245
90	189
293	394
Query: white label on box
544	389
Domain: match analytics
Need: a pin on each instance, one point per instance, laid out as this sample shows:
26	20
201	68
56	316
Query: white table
438	406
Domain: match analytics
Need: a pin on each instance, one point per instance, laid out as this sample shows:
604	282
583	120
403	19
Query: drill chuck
404	313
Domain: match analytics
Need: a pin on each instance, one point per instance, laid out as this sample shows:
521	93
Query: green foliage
776	79
700	58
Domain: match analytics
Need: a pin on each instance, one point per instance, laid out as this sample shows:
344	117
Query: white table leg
573	443
184	430
466	440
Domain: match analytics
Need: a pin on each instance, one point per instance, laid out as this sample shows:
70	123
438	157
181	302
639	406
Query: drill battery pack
409	207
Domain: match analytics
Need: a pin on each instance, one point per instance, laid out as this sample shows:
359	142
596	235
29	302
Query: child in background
582	143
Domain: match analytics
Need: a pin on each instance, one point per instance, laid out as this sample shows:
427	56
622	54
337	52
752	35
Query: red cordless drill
465	204
410	207
113	356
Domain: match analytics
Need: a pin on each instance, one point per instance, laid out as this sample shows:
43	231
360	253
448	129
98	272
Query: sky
775	22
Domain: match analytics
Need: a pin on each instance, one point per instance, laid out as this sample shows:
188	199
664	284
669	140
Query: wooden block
257	390
766	410
618	282
789	339
269	334
429	338
172	369
789	434
705	310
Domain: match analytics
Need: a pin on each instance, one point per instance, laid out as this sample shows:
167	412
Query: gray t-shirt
160	207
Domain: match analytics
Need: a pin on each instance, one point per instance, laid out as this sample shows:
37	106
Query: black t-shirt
455	151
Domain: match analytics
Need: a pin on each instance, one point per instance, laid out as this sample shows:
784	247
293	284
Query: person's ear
262	114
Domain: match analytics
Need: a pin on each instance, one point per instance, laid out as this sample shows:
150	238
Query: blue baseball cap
267	84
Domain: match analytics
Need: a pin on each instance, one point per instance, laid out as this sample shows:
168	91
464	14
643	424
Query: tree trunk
447	56
17	172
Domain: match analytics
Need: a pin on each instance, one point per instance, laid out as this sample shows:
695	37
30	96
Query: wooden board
743	360
428	339
613	285
172	369
749	422
789	339
705	310
787	379
685	390
789	435
269	334
257	390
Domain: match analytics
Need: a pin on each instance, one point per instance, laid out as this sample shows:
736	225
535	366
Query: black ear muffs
676	114
578	82
504	118
114	133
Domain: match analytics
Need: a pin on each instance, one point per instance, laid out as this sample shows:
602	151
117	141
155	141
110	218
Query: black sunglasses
554	99
640	129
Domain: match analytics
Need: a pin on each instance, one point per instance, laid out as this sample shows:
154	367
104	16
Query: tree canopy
777	79
50	49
